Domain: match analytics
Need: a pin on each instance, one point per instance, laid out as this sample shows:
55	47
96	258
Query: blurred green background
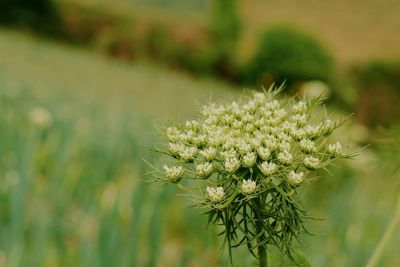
84	82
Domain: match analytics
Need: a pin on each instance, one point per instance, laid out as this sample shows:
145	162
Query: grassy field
72	133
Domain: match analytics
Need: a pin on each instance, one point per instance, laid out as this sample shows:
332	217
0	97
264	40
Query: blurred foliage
225	26
38	15
287	54
378	86
388	148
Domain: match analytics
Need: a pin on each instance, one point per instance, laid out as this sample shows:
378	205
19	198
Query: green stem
390	230
261	240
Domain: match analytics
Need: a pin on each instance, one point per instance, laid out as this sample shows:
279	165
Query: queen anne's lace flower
255	152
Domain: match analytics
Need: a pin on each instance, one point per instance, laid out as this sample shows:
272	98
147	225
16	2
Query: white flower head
327	126
231	164
285	157
299	119
311	162
300	107
193	125
268	168
258	97
307	146
204	169
243	147
208	153
215	194
249	159
295	177
248	186
174	173
200	139
335	149
264	153
188	153
175	148
173	134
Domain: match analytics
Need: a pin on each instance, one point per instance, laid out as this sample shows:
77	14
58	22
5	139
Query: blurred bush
287	54
38	15
194	47
225	32
379	92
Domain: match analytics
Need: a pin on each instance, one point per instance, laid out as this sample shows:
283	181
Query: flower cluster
262	133
252	154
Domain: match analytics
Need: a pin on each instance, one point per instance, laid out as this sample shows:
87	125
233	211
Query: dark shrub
287	54
40	15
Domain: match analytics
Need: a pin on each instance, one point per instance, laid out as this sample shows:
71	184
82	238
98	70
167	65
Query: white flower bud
186	137
258	97
298	133
307	146
272	105
284	146
174	173
231	164
267	168
243	147
215	194
188	153
248	186
237	124
299	107
249	127
285	157
299	119
327	126
249	106
311	162
249	159
208	153
264	153
311	130
295	178
204	169
284	137
175	149
335	149
200	139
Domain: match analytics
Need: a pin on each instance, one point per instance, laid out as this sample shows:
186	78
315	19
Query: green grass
72	194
